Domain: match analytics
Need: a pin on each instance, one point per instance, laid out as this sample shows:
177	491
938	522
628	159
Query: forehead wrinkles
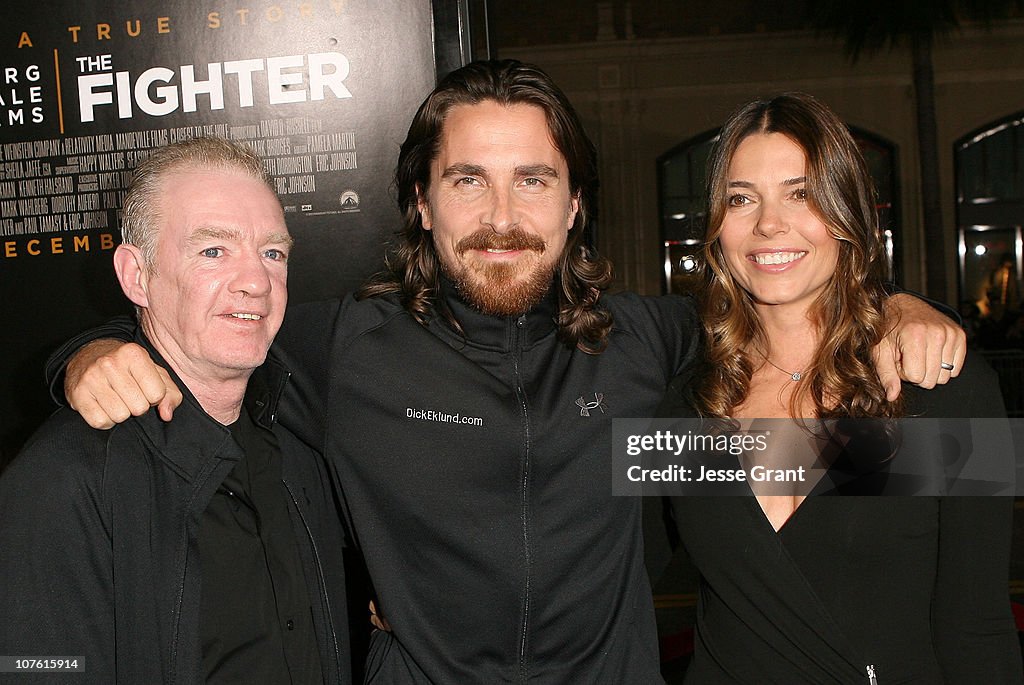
204	233
225	233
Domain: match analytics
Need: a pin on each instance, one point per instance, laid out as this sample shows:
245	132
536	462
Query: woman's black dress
914	587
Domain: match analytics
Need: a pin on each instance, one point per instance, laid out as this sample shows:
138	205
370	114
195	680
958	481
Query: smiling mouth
246	317
777	257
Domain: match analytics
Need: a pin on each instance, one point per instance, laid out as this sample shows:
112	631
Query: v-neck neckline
787	524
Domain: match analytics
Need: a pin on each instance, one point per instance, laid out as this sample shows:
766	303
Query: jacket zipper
524	494
324	596
173	661
872	678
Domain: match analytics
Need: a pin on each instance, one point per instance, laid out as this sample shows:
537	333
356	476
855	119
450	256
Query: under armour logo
586	407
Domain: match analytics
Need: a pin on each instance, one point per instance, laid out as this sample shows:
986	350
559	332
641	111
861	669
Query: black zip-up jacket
98	541
477	474
477	477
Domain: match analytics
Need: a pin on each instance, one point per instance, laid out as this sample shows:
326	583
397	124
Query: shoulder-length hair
413	267
848	314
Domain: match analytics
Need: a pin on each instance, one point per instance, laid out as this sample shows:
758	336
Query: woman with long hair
798	589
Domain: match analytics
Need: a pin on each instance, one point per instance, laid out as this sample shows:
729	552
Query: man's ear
426	220
132	274
574	208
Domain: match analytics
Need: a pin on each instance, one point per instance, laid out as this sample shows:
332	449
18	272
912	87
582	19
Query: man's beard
499	289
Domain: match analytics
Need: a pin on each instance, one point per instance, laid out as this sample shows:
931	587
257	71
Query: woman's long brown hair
848	314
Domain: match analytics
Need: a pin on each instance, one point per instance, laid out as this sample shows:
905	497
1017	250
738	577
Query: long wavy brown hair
413	269
848	314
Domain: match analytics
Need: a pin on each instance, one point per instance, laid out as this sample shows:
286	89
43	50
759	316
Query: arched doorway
990	217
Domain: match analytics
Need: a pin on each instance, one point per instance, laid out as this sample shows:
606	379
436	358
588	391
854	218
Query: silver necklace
793	375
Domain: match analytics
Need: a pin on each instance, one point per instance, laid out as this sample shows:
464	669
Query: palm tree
867	26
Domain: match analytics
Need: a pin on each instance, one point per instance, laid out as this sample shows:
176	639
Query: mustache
515	239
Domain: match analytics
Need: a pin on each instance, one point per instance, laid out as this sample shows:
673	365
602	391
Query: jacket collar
193	437
500	332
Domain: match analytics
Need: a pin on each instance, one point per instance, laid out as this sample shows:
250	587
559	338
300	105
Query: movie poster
323	89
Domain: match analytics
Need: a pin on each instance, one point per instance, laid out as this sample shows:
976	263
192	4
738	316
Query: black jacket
477	474
98	541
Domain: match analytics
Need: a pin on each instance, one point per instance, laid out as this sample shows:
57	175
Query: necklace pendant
797	376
